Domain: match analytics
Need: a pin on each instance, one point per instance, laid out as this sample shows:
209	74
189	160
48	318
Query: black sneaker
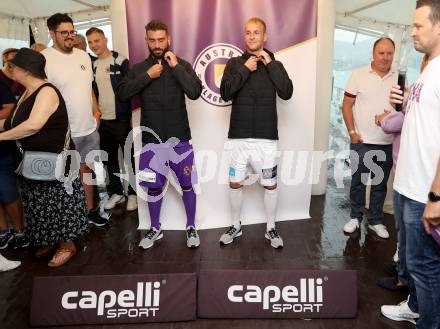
5	237
20	240
96	219
392	283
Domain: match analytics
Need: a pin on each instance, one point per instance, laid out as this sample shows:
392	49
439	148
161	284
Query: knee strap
154	191
187	188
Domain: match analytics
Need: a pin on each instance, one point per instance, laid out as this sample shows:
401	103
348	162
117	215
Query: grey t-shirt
106	99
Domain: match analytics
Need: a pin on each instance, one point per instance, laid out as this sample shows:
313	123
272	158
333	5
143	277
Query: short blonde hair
38	47
257	20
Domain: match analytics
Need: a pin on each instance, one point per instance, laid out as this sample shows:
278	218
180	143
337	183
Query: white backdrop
209	127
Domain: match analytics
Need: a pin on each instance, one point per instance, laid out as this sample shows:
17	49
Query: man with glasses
70	70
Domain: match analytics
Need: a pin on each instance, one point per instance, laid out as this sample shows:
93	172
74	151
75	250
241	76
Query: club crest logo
209	67
187	170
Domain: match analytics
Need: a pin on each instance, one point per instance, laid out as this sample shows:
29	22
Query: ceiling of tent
44	8
385	11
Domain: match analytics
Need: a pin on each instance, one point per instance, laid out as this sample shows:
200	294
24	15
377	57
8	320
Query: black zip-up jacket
163	107
253	95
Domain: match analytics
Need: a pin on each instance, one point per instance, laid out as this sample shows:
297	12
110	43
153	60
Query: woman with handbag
39	124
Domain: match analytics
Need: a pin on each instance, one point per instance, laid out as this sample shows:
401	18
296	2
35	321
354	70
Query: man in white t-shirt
417	180
108	70
367	94
70	70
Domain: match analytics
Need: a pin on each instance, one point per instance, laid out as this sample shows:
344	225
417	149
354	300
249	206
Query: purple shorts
156	160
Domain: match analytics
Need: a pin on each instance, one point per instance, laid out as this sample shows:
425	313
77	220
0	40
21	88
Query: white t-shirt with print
72	74
372	97
420	140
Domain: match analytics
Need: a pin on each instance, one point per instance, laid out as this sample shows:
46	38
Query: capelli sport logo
209	67
143	301
305	298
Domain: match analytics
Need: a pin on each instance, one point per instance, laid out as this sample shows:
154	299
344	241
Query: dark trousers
374	160
113	134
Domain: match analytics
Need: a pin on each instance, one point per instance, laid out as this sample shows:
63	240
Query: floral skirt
52	215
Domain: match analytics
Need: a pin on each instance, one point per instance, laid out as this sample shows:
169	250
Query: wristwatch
433	197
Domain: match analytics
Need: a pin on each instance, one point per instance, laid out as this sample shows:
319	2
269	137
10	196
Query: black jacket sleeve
125	67
188	80
280	79
133	83
234	77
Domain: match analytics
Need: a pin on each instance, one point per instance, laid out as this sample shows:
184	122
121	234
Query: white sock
270	204
236	199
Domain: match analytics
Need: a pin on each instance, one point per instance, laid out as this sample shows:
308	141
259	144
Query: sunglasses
64	34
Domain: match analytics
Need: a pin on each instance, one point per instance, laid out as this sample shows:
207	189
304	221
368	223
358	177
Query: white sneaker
231	233
351	226
380	230
7	265
275	240
114	200
192	237
152	235
400	312
132	203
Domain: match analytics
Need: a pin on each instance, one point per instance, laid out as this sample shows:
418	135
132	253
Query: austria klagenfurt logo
209	67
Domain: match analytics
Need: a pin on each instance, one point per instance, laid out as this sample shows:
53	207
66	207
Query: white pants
254	155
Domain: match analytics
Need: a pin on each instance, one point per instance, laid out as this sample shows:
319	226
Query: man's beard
152	51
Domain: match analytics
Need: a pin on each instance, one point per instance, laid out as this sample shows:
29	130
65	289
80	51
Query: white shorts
254	155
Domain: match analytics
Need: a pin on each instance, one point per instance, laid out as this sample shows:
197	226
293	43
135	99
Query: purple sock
154	204
189	200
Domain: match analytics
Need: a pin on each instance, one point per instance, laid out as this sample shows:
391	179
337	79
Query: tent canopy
44	8
393	12
387	11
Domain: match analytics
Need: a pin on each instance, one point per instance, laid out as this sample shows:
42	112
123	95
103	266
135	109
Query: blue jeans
419	256
402	270
359	178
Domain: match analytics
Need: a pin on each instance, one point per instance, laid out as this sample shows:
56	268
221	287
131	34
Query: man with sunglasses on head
70	70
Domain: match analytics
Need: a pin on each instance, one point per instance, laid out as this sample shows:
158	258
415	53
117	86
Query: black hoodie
253	95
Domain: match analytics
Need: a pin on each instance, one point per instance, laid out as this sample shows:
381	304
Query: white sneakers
116	199
351	226
7	265
400	312
380	230
132	203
